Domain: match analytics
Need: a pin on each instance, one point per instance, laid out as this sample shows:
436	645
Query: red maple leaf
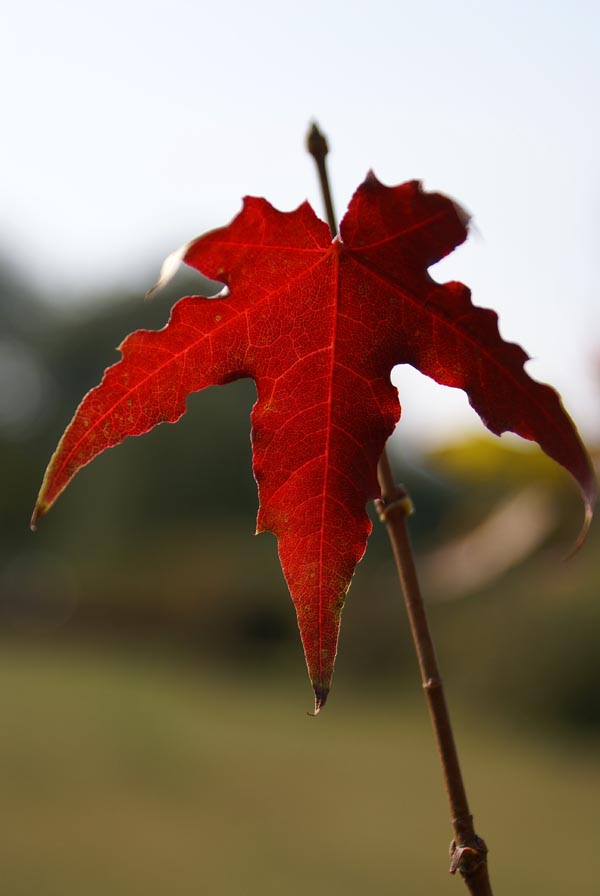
319	324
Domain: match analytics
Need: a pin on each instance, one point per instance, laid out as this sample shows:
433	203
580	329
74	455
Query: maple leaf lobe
319	324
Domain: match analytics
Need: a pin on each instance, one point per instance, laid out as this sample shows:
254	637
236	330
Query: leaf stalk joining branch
468	852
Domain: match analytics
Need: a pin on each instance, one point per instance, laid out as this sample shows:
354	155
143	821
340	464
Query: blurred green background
153	690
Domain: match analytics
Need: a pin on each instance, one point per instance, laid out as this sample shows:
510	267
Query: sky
130	128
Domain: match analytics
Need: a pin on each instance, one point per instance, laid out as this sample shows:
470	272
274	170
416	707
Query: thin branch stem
318	148
468	852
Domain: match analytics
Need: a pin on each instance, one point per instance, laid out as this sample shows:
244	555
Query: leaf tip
371	180
590	497
168	270
462	214
38	511
321	694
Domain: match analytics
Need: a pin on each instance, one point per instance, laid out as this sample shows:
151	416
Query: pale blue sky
131	127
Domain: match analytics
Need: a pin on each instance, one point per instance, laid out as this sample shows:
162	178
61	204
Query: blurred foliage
127	772
153	544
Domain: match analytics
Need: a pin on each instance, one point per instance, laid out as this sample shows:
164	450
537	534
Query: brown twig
468	852
318	148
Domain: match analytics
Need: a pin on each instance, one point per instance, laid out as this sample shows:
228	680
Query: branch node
468	857
401	504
